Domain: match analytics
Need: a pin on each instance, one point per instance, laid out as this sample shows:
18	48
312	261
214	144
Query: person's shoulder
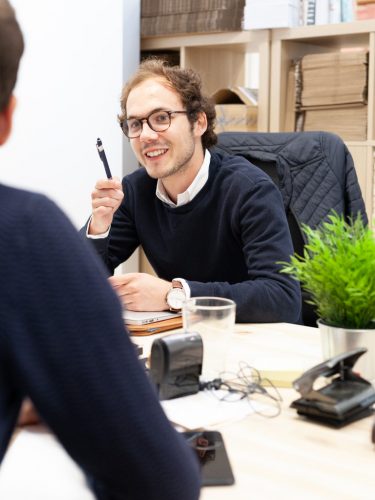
14	195
20	206
237	168
20	201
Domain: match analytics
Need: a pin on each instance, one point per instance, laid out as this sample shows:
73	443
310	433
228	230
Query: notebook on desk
151	322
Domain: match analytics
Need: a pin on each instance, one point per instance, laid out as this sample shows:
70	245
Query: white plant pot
338	340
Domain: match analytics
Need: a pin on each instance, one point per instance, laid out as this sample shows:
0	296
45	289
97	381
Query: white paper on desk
205	409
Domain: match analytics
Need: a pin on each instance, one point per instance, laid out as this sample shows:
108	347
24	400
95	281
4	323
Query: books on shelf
308	17
322	11
334	8
288	13
326	11
365	11
347	10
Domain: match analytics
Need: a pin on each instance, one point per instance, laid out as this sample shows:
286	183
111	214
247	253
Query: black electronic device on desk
176	363
347	398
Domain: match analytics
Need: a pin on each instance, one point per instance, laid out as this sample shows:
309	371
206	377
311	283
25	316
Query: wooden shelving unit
289	44
222	60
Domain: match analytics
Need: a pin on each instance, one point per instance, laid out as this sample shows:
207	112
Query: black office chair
315	174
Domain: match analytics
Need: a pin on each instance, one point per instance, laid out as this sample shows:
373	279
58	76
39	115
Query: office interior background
77	55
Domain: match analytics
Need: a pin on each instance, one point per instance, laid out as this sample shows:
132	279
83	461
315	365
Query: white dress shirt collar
192	191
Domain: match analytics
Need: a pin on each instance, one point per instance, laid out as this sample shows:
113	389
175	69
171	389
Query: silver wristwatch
176	296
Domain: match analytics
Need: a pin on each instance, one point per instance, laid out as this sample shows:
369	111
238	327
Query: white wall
68	95
131	53
131	58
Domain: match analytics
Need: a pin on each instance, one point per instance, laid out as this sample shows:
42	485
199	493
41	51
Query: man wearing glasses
210	224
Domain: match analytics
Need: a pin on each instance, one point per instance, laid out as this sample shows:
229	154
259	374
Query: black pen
99	147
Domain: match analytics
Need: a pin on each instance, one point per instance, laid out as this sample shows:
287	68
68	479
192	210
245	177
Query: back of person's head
188	85
11	49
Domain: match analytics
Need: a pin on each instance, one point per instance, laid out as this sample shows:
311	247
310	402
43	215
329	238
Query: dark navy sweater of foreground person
225	242
63	344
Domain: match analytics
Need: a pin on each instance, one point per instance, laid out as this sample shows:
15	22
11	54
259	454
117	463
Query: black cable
244	384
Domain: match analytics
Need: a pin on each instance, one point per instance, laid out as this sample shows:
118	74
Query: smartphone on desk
210	449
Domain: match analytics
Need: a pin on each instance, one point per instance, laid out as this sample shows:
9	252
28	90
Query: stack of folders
151	322
161	17
333	93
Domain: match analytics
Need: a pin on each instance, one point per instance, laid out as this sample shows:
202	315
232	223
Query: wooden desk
287	456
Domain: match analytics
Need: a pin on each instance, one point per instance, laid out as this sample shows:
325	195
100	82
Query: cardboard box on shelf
152	8
236	110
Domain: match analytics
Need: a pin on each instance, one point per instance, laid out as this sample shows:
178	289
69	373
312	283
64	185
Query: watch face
176	297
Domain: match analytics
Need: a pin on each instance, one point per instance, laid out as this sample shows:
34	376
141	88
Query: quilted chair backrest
314	172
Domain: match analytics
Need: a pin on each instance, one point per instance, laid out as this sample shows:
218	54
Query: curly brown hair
186	82
11	49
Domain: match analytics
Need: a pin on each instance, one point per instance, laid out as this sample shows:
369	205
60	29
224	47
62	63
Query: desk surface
287	456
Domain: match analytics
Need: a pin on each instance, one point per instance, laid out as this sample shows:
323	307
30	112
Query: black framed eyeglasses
158	121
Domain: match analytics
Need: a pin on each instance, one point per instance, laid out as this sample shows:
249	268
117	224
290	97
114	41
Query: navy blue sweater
225	242
63	344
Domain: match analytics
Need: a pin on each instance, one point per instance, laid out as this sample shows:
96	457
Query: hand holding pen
99	147
106	198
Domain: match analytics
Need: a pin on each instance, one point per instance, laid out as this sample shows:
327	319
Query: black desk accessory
210	449
347	398
176	363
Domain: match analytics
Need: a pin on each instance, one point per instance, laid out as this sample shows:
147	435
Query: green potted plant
337	269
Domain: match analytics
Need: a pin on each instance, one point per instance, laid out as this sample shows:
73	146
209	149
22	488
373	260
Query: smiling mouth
156	153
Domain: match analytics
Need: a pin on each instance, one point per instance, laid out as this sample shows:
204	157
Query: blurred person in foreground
64	346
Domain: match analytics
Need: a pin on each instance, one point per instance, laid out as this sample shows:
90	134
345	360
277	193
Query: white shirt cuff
185	287
96	236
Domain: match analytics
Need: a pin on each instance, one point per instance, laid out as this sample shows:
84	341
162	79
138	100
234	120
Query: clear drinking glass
213	318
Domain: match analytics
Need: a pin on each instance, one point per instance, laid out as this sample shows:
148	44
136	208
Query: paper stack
334	93
349	123
161	17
